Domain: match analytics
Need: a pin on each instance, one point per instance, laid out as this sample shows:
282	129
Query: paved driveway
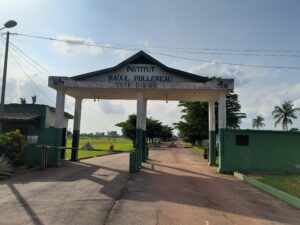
175	187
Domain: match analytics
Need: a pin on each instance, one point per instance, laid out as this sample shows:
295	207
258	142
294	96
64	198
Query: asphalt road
175	187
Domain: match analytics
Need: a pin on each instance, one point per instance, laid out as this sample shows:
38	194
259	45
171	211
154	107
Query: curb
283	196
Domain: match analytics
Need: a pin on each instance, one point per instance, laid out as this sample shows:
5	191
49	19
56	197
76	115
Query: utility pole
8	24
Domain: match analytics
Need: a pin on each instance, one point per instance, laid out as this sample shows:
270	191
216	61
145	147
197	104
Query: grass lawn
85	153
198	150
283	182
187	145
120	144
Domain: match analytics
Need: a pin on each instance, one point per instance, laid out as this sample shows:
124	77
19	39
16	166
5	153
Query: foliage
120	144
5	166
283	182
285	114
154	128
85	153
194	124
13	145
258	122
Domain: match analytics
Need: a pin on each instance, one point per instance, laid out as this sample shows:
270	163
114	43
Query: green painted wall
268	151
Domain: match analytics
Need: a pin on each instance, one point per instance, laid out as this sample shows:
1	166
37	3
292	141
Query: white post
77	113
139	110
139	127
76	129
144	115
222	111
60	108
222	127
212	133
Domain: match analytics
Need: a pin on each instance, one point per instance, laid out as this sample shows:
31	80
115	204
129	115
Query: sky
160	26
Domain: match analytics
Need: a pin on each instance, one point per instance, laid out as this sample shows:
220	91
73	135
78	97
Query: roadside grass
187	145
85	153
120	144
198	150
284	182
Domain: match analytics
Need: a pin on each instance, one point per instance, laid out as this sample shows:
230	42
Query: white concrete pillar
222	130
212	133
211	116
60	108
77	113
144	125
140	110
76	129
222	111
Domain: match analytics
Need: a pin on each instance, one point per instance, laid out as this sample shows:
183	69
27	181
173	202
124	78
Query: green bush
13	146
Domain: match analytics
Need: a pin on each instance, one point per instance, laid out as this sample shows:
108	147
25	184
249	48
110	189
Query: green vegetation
13	146
85	153
198	150
283	182
187	145
258	122
155	129
285	114
120	144
194	124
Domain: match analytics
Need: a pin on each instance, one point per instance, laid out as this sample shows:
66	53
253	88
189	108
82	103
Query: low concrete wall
287	198
261	151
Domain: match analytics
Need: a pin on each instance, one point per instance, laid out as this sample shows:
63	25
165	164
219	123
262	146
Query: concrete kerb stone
283	196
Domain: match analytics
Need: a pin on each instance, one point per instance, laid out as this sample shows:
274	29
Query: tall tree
155	129
258	122
194	123
285	114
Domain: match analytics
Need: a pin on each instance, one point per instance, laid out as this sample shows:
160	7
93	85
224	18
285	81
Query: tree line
193	125
155	129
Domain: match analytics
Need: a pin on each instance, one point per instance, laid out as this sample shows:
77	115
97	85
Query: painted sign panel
139	76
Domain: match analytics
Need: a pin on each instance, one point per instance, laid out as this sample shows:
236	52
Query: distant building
112	134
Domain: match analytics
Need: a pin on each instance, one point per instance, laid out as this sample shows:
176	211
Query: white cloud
241	75
72	45
108	107
121	53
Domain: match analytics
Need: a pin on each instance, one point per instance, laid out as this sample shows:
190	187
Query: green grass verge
187	145
198	150
287	183
85	153
120	144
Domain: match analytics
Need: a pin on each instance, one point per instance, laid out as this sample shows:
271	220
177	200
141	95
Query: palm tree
285	114
258	122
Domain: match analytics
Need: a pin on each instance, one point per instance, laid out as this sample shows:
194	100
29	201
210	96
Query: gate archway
141	77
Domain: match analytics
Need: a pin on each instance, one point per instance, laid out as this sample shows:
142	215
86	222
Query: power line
221	51
169	55
41	91
226	63
33	62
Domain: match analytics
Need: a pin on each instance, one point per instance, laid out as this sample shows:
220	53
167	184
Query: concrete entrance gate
142	78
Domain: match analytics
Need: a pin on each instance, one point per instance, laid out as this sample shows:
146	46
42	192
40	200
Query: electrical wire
106	44
27	75
169	55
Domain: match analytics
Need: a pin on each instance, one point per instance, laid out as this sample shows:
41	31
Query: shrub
13	146
5	166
